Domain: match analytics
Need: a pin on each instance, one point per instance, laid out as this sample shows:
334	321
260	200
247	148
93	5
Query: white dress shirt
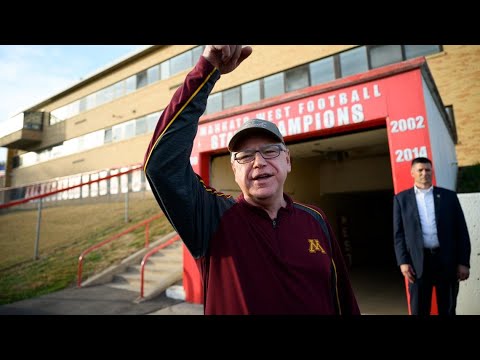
426	210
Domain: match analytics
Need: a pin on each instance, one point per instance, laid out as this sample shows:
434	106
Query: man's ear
289	161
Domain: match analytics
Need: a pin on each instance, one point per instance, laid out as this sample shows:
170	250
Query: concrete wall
303	182
365	174
312	177
469	295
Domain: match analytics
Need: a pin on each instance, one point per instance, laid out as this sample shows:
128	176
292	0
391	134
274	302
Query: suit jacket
451	230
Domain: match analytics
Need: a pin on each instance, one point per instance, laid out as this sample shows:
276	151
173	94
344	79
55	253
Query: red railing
145	223
150	253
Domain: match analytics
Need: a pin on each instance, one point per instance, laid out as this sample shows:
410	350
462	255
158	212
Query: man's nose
258	159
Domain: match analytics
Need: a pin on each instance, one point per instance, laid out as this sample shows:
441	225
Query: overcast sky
32	73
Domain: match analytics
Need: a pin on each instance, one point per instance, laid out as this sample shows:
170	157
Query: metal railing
150	253
145	223
41	190
41	197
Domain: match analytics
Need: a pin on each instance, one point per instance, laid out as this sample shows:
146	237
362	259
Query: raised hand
226	58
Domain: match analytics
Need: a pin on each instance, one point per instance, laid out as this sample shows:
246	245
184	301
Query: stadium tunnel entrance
352	141
349	177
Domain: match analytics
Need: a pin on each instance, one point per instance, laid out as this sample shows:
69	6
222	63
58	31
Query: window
412	51
105	95
129	129
197	52
70	146
79	144
250	92
90	100
58	115
141	126
83	104
296	78
57	151
117	132
130	84
153	74
322	71
152	120
108	136
231	97
165	70
44	155
93	139
382	55
142	79
118	89
214	103
33	120
353	61
29	158
180	62
273	85
73	108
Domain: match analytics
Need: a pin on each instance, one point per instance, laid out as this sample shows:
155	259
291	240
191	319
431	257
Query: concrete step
155	267
152	286
168	254
164	260
162	269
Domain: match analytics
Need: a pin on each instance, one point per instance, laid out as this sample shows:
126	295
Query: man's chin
262	195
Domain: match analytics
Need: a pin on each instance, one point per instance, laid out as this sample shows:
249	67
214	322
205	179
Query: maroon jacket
249	264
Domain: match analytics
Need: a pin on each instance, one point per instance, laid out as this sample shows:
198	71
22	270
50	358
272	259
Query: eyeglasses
269	151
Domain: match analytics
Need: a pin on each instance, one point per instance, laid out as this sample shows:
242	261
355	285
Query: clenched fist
226	58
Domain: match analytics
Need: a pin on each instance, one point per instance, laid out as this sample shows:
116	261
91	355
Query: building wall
117	154
143	101
457	75
455	70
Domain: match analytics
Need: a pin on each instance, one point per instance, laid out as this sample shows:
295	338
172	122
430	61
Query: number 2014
410	154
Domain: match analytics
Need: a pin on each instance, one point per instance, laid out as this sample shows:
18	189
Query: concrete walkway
183	308
99	300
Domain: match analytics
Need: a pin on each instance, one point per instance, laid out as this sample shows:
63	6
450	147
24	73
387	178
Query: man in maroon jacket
261	253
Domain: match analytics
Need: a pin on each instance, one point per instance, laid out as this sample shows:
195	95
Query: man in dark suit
432	245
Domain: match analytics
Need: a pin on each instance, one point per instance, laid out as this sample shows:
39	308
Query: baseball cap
258	126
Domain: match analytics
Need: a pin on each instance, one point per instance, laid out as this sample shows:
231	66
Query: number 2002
408	124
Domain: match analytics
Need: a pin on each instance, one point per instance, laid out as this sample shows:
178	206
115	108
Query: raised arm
192	208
